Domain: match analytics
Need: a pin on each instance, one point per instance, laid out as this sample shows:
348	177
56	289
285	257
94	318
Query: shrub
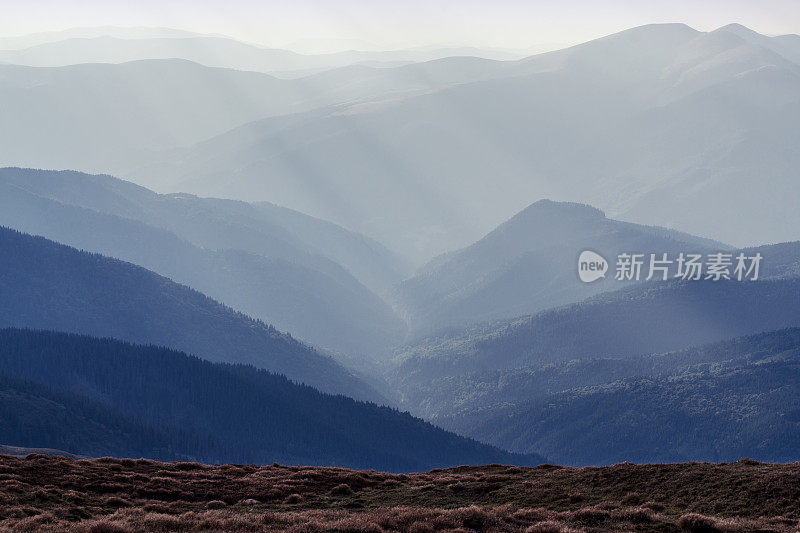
216	504
161	522
35	523
474	517
293	498
655	506
114	501
697	523
637	515
590	515
550	527
105	526
532	515
188	466
632	498
342	489
576	497
420	527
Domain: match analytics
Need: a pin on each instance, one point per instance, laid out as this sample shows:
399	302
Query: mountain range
468	370
435	372
303	239
633	369
45	285
120	45
298	273
528	264
714	403
661	124
99	397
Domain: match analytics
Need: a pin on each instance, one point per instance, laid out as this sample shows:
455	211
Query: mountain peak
552	207
548	214
737	29
674	30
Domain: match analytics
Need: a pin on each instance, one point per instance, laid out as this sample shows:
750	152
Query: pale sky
386	24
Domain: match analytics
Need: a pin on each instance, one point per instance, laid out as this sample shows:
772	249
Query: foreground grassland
40	493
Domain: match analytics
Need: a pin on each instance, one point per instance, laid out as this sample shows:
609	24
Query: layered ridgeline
528	264
642	318
716	403
521	380
119	45
50	286
677	128
301	274
660	124
115	117
101	397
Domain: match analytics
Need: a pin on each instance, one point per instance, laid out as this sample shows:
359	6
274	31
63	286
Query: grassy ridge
121	495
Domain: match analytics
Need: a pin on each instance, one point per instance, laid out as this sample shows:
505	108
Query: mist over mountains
50	286
298	273
120	45
648	318
311	244
713	403
528	263
197	410
660	125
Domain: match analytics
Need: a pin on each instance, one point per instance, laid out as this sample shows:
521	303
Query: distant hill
82	393
660	124
291	270
18	451
125	111
91	32
50	286
529	263
633	321
507	361
37	416
113	46
715	403
458	401
140	114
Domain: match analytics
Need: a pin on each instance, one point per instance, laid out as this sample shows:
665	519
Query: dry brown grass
39	493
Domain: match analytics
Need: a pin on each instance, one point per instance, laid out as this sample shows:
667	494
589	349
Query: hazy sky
397	24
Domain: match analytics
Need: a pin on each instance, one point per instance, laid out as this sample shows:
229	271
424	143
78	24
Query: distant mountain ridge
139	112
90	32
679	129
529	263
45	285
113	46
660	125
639	319
275	264
187	408
452	369
717	402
